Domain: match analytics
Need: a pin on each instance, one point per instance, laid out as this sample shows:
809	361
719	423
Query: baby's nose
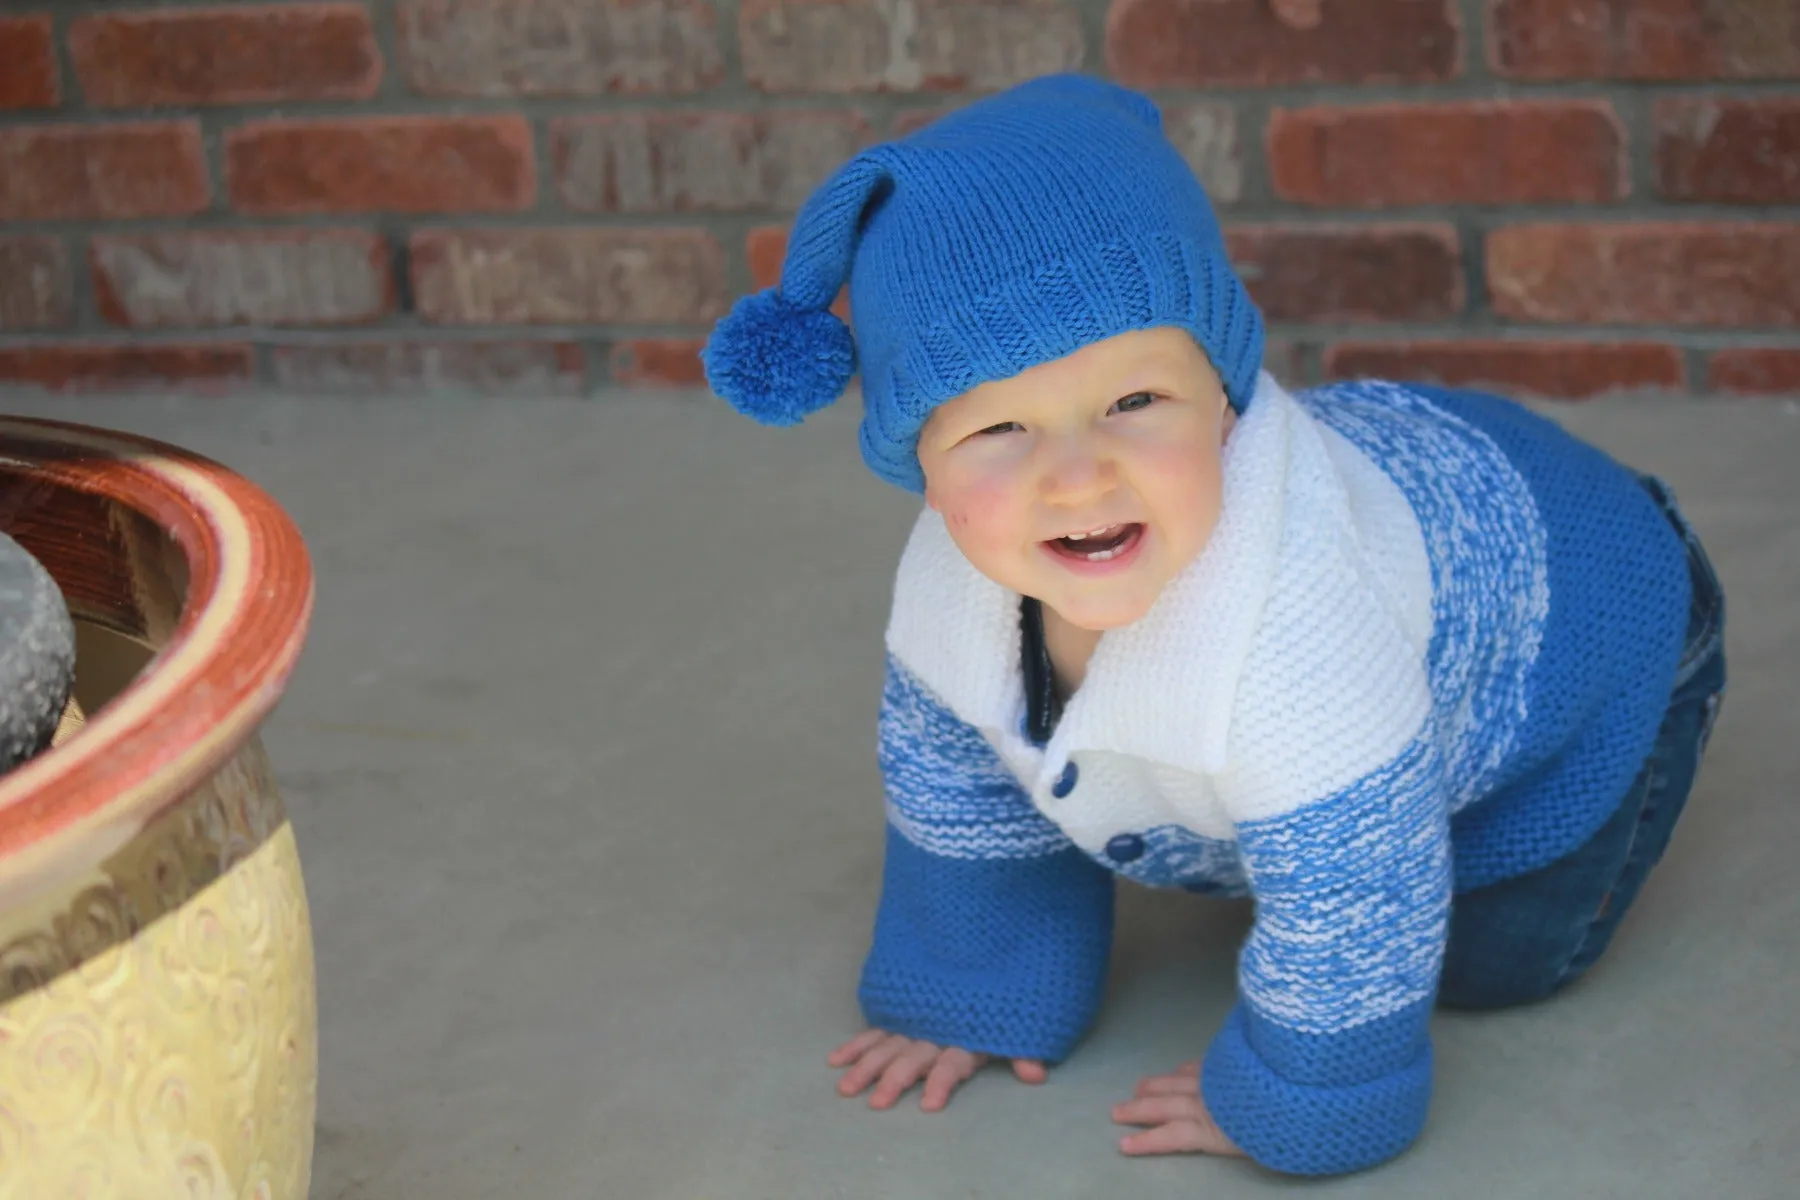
1076	472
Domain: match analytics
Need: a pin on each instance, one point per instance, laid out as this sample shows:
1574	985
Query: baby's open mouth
1098	545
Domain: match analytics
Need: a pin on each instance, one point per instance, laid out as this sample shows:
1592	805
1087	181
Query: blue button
1065	783
1127	847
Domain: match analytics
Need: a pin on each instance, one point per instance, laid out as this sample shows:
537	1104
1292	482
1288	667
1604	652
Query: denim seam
1703	577
1699	650
1651	775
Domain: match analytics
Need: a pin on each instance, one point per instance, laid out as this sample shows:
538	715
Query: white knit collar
1160	688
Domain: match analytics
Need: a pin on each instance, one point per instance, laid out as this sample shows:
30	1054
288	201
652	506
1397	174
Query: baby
1415	670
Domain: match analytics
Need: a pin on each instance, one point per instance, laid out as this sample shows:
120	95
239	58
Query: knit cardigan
1426	648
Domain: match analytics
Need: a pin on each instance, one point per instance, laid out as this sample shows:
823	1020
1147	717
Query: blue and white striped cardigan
1426	649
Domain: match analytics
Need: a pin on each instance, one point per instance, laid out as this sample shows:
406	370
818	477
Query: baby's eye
1135	402
1002	427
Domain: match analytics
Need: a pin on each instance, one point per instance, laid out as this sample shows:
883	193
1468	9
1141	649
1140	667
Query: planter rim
203	694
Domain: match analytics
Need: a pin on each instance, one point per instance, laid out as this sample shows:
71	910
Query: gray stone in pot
37	655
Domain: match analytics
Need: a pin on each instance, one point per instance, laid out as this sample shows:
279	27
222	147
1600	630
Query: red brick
490	368
913	120
921	46
559	47
658	362
1350	273
766	247
1728	151
1557	370
700	162
1770	372
1207	43
568	276
1647	274
1517	152
101	172
261	277
29	52
35	287
236	55
1207	137
68	368
393	164
1645	39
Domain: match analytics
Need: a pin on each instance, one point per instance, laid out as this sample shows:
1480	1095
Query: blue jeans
1524	939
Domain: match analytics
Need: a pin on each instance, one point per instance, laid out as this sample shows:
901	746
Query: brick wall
1555	196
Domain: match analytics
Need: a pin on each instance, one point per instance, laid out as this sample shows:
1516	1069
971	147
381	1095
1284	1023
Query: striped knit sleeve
993	928
1324	1065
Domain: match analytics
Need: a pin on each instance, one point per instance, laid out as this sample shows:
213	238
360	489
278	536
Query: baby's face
1120	441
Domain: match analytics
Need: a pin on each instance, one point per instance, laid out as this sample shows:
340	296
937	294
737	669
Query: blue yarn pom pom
775	362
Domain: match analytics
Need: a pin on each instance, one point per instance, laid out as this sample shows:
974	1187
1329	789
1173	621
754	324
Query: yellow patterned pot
158	1021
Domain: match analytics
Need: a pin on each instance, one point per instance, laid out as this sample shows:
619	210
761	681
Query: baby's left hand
1173	1108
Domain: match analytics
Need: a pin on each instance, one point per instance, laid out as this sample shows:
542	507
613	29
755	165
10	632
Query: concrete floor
581	762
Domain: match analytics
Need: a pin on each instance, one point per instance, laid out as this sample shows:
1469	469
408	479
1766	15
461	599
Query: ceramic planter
158	1022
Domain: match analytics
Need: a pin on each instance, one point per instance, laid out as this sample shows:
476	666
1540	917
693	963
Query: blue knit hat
1006	234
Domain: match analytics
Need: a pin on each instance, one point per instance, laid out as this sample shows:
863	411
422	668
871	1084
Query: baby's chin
1100	616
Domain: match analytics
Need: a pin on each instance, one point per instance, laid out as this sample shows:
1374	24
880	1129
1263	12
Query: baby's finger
1029	1070
873	1062
848	1053
1177	1137
1168	1085
1155	1110
953	1067
902	1073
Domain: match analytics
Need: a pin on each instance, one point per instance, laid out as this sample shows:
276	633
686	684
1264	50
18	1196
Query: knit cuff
1320	1104
996	956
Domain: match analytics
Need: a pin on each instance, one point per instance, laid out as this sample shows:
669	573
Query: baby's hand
1172	1107
901	1061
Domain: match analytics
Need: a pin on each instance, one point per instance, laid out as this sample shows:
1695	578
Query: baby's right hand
900	1061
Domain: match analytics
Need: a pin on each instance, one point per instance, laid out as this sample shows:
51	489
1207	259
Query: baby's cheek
1189	491
986	514
982	527
972	503
973	525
